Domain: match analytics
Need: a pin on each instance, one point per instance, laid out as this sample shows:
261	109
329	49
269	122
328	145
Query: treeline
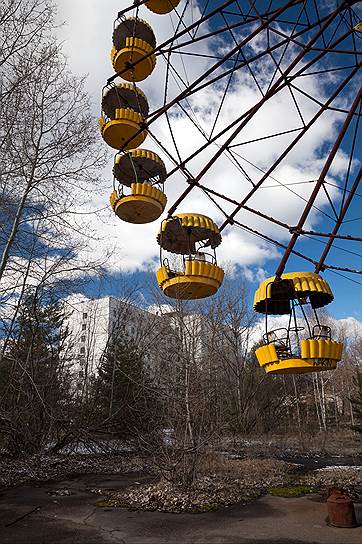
50	159
184	379
180	383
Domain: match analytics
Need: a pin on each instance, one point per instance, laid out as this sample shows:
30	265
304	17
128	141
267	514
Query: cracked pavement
66	512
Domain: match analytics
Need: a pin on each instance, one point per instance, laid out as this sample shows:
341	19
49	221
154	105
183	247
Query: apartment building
92	323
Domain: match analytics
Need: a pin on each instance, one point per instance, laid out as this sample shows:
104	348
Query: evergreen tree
34	385
123	388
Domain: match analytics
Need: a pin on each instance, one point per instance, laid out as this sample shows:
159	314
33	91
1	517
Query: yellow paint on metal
316	355
123	128
138	165
140	153
146	189
162	275
144	205
358	27
138	209
306	284
321	349
113	199
124	96
134	51
161	7
133	26
266	354
204	269
190	285
300	366
181	230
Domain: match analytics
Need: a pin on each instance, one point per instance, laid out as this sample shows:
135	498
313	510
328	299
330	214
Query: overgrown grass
294	491
329	443
106	503
213	463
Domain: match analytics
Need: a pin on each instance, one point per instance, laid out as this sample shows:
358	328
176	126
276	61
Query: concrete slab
30	515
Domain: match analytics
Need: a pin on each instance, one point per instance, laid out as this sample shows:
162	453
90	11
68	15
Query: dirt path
40	514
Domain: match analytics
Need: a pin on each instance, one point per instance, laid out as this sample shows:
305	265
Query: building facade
93	323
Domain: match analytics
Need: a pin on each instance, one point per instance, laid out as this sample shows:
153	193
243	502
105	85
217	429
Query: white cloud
346	328
349	327
87	41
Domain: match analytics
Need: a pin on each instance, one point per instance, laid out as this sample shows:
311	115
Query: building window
82	350
84	326
82	338
85	315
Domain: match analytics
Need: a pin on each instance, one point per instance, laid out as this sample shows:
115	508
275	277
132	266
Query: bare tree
50	156
35	382
50	163
206	383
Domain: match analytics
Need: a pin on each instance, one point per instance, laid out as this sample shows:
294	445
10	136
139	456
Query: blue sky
89	28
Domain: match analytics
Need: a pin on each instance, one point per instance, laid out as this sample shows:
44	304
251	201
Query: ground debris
238	482
45	467
96	491
245	481
60	493
204	495
346	478
222	480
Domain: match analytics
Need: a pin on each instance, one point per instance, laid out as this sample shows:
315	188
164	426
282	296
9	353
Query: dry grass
250	470
336	443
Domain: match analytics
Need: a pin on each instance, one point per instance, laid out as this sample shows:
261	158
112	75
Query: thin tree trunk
298	408
13	233
316	401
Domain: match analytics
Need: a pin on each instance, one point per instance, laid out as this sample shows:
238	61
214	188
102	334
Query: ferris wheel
254	110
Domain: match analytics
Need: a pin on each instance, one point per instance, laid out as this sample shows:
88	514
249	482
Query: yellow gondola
133	40
161	7
144	172
196	274
125	109
284	351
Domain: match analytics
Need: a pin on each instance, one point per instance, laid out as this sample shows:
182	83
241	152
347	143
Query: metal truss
300	39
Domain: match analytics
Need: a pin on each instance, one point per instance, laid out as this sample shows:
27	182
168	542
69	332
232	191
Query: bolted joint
295	230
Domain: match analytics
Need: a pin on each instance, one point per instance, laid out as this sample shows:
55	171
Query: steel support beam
278	85
318	185
280	223
320	265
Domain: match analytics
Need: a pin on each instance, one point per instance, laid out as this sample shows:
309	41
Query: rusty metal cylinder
340	509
